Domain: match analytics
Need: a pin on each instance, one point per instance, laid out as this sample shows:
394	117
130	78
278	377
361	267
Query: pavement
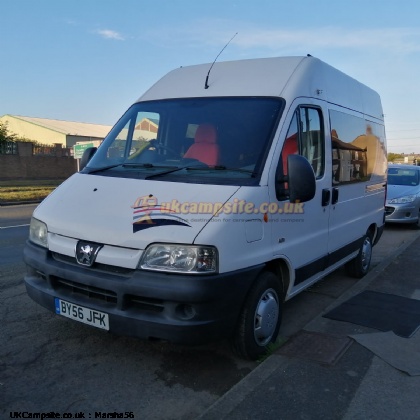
328	374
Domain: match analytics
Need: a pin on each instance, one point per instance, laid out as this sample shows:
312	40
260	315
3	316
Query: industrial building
50	132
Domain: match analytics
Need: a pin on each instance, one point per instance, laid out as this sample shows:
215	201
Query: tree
394	156
4	133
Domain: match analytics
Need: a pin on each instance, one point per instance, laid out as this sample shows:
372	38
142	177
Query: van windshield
206	140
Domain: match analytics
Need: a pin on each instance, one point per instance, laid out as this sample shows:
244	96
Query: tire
359	266
260	319
416	225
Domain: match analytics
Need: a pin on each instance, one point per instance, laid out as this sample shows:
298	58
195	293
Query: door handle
326	195
334	195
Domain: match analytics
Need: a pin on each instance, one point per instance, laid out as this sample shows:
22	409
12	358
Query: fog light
185	311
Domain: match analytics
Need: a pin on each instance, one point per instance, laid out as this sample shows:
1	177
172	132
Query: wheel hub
266	317
366	254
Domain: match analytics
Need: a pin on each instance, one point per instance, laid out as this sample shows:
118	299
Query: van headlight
38	232
402	200
180	258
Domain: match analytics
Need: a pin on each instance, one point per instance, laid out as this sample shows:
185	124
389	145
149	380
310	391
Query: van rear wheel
359	266
260	319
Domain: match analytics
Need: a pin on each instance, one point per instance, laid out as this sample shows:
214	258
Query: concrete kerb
239	392
229	401
17	203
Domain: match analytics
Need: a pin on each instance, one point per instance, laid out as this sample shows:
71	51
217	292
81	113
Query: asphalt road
14	229
51	364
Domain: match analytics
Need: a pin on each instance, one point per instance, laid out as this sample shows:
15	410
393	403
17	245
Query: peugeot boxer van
224	191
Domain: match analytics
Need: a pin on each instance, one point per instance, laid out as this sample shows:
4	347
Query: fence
11	148
24	160
8	148
48	150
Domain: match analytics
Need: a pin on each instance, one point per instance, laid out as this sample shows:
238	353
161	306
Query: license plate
82	314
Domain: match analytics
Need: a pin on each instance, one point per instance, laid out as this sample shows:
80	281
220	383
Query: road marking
10	227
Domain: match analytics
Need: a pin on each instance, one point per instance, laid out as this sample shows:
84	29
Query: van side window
305	137
291	143
311	144
358	148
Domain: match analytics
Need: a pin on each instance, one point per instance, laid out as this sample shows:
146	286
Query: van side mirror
301	179
87	156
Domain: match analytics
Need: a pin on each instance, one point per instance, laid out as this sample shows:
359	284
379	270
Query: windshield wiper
225	168
178	168
124	165
131	165
173	169
139	165
104	168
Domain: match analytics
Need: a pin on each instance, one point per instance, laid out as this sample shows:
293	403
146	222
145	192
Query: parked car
403	194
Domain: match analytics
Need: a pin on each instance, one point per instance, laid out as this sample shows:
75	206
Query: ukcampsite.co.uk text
231	207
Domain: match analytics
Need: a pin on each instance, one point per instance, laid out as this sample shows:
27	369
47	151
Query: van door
300	230
358	153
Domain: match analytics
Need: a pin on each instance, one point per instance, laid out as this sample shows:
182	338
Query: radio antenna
206	85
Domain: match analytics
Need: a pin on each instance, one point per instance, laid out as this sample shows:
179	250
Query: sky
89	60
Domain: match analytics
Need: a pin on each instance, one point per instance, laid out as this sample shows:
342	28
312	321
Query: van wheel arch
260	318
280	269
372	232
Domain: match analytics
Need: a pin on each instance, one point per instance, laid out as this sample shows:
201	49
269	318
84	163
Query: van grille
84	290
96	266
139	303
144	304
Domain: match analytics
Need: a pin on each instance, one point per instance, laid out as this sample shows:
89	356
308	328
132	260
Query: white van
222	192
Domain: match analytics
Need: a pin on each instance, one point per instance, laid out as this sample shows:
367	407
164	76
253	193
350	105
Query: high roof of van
286	77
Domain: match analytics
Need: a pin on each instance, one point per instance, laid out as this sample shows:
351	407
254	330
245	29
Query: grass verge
272	347
26	190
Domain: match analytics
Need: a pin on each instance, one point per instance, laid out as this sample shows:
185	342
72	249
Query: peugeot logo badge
86	252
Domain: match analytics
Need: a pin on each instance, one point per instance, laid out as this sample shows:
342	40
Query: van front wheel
260	319
359	266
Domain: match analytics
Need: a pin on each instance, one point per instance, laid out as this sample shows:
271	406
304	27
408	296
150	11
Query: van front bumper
184	309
